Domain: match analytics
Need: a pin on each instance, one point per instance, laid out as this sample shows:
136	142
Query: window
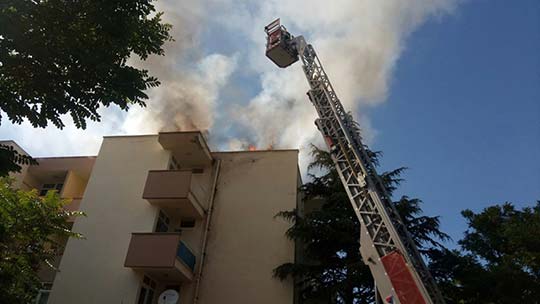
187	223
43	294
148	288
46	187
173	287
163	221
173	164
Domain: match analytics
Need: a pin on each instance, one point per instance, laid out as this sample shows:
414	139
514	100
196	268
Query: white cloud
52	141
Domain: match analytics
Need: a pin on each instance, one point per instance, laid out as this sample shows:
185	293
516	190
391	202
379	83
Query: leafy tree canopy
30	230
11	160
59	57
500	257
71	57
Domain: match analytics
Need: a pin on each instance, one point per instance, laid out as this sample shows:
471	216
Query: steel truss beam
384	229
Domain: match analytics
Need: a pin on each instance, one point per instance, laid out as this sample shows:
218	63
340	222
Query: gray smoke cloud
190	82
358	41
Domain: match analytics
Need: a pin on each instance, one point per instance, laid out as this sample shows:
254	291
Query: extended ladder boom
385	244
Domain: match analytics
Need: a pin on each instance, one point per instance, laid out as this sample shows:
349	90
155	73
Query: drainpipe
205	233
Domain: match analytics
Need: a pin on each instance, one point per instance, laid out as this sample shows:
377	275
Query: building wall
92	270
29	182
246	242
74	185
200	185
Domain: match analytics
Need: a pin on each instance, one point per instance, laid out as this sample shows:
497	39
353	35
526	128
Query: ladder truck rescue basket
279	46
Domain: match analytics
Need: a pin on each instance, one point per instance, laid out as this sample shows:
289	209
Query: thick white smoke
190	82
186	100
358	41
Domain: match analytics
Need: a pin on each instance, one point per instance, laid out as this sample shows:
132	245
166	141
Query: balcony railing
162	255
176	190
186	256
188	148
74	205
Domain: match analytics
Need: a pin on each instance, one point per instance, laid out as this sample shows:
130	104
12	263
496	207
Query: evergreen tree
331	269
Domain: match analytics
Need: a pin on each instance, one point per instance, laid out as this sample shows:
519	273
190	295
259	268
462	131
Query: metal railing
186	256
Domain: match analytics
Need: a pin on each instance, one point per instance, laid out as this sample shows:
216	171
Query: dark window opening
146	294
173	164
187	223
163	222
173	287
47	187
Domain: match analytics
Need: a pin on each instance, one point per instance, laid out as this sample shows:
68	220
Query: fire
252	148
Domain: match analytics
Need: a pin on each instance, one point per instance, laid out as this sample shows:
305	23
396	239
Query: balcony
74	205
175	191
188	148
46	273
162	256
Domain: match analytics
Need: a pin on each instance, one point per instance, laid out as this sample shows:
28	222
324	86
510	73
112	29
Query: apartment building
164	212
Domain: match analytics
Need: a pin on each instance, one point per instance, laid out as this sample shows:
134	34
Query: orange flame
252	148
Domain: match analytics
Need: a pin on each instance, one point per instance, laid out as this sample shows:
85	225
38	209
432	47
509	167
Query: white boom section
383	233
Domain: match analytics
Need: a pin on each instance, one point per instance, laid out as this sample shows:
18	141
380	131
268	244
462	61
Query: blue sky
464	111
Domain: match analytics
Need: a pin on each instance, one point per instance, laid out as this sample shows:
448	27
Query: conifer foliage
330	268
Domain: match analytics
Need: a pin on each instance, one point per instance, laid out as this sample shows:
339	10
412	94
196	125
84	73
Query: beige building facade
164	212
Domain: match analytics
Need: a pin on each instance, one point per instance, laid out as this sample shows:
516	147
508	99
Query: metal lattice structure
384	236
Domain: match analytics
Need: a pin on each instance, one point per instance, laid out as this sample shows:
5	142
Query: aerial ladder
386	246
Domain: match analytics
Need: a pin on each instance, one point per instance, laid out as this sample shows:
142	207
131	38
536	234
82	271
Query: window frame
149	287
45	290
173	164
188	220
45	188
163	220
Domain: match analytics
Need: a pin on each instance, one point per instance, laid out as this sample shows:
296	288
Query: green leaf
33	231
